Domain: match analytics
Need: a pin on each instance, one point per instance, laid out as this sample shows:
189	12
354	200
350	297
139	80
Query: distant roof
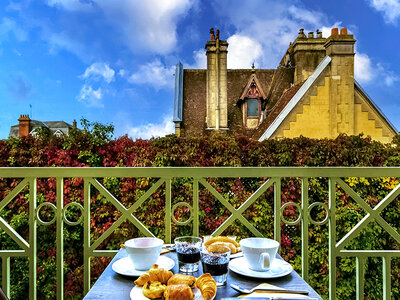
62	126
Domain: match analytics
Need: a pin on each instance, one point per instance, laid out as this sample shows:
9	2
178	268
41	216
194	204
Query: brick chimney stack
340	47
74	124
24	125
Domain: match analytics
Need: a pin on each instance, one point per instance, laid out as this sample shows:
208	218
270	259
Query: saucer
124	266
279	268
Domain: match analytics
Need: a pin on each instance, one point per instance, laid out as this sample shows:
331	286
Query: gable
369	119
276	123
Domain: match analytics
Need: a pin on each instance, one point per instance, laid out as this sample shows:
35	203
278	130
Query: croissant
221	247
153	290
154	274
182	279
207	286
178	292
224	239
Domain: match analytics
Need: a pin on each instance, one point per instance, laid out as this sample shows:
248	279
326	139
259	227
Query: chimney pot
343	31
319	34
311	35
335	31
212	36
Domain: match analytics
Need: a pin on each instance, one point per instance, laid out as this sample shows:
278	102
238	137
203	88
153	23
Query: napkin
166	248
273	294
277	295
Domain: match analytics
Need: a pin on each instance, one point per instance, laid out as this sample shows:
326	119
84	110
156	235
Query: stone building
26	127
311	93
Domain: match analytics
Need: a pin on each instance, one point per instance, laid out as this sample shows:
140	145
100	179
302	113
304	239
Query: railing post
5	275
387	272
60	238
195	207
332	239
360	273
86	236
168	210
277	207
32	238
304	228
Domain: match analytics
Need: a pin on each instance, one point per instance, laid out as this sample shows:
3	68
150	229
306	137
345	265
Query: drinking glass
216	263
188	252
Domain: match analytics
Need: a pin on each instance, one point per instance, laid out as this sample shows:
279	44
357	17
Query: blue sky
113	61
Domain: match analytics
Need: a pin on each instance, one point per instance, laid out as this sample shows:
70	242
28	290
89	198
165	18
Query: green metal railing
199	175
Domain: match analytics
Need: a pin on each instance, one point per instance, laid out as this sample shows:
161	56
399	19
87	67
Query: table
111	285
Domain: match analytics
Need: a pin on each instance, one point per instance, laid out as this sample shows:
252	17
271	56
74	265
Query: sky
113	61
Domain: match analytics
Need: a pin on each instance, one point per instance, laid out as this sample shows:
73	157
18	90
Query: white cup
259	252
143	252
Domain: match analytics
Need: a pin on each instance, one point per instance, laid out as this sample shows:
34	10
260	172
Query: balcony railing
200	175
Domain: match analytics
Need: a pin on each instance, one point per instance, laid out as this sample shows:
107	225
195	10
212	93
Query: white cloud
61	41
389	78
99	74
363	70
154	73
90	97
243	52
326	30
200	59
150	130
122	73
389	8
8	26
149	24
72	5
98	71
270	33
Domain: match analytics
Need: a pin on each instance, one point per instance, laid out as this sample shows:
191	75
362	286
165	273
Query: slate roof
62	126
195	94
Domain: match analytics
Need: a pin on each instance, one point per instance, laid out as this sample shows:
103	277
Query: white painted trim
295	99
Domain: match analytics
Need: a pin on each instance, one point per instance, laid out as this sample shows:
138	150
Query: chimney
74	124
217	97
340	47
307	54
24	125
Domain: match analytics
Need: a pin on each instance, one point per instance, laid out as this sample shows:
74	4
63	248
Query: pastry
178	292
224	239
154	274
182	279
154	290
207	286
221	247
221	240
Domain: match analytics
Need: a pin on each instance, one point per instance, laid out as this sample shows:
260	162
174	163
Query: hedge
84	149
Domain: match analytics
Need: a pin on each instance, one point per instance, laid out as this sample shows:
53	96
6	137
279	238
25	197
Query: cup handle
265	260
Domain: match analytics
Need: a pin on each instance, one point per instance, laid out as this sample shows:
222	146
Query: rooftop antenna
30	108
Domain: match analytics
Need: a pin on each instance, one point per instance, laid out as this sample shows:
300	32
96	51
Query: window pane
252	107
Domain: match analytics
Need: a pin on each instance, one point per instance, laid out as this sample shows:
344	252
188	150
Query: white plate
279	268
236	255
124	266
136	294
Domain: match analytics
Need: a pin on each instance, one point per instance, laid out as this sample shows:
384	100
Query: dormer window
250	102
252	107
